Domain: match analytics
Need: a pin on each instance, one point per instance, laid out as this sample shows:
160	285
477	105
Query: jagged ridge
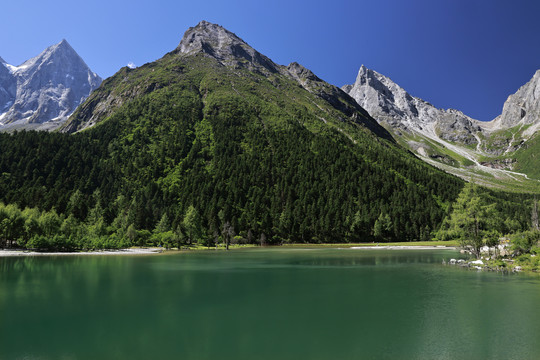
448	137
392	105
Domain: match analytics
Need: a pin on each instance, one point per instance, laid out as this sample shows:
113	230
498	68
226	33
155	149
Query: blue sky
463	54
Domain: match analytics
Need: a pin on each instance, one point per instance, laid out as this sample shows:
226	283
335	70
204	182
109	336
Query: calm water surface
265	304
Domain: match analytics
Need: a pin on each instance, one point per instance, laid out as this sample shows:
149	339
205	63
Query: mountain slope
44	89
229	51
448	138
217	129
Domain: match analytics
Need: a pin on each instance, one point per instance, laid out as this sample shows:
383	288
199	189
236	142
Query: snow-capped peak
45	87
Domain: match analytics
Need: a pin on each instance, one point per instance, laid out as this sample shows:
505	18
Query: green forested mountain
215	140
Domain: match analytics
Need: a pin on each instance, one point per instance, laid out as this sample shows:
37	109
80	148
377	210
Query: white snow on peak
46	87
14	69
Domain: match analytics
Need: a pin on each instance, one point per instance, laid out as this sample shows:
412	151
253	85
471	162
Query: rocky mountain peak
57	55
215	41
390	104
363	71
2	61
379	95
365	75
46	87
209	38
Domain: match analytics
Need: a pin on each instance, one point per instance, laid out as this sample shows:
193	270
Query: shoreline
400	247
155	250
133	251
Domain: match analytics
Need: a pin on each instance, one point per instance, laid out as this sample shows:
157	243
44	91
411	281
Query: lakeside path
134	251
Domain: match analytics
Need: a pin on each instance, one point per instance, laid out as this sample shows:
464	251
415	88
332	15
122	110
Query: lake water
265	304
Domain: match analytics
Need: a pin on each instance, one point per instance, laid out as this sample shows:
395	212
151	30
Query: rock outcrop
523	107
215	41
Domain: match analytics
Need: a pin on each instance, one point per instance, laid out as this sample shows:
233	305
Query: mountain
392	105
215	138
228	50
451	140
523	107
43	91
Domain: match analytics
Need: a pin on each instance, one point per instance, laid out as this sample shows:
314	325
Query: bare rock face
523	107
392	105
8	87
500	164
215	41
48	88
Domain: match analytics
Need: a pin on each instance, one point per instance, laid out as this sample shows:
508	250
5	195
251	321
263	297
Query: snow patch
14	69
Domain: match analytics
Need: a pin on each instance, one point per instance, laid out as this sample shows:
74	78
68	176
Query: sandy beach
403	248
147	251
134	251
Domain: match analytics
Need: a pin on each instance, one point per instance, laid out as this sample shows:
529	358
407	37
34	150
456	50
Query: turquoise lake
265	304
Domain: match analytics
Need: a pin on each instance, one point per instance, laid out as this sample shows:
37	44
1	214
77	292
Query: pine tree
471	219
383	226
163	225
192	224
534	216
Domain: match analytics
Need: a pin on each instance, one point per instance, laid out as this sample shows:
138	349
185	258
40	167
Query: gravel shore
134	251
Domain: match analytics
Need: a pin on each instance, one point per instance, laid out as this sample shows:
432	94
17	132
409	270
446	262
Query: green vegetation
473	220
476	222
506	138
192	152
528	157
435	150
46	230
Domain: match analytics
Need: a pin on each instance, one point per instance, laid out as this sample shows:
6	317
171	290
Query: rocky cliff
522	108
393	106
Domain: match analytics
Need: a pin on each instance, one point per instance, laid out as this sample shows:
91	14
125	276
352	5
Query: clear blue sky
463	54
